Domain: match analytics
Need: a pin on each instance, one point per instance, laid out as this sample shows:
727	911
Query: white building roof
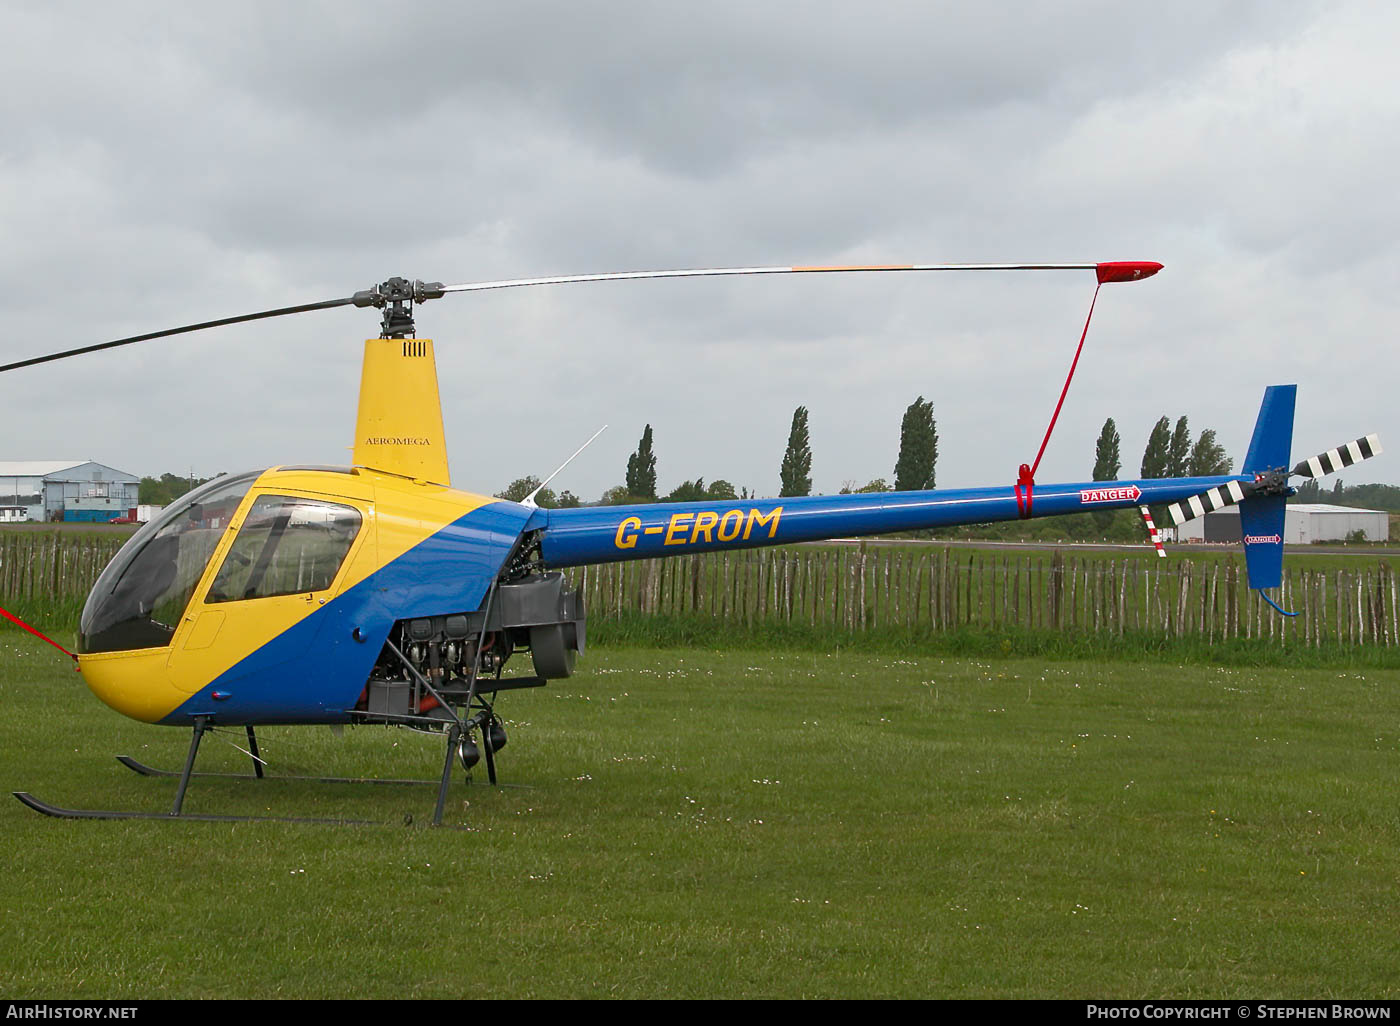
1327	507
37	468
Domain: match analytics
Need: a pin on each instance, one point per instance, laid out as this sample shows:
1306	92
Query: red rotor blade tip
1126	270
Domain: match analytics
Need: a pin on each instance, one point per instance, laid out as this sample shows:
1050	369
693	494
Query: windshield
140	597
286	545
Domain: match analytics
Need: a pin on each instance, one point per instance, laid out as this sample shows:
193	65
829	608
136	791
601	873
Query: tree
1208	457
796	471
1107	462
523	486
688	491
878	485
641	469
720	489
1309	491
1179	451
167	488
1155	456
918	448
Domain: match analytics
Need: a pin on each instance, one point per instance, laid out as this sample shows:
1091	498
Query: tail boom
607	534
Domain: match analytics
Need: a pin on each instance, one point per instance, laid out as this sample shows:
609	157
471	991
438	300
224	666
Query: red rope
1068	378
1026	479
16	620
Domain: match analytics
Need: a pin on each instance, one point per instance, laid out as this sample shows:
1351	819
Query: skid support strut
454	738
253	751
199	724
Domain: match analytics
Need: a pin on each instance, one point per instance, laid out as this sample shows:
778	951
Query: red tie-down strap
1023	498
1027	475
16	620
1107	272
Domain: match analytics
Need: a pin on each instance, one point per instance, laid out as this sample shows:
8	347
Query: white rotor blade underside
703	272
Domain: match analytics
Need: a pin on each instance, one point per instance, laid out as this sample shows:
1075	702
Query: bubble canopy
140	597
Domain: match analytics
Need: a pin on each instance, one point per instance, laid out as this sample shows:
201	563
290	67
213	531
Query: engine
534	612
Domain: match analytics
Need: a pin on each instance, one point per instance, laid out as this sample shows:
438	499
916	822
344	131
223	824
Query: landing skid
61	813
458	742
151	771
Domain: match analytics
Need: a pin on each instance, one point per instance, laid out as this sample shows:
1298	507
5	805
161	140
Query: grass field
699	823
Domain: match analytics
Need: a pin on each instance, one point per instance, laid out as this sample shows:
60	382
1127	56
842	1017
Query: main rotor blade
261	315
1114	271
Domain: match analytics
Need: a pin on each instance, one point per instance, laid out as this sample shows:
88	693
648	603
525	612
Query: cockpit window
287	545
140	597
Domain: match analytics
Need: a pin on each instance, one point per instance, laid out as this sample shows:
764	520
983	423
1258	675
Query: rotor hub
1272	482
396	298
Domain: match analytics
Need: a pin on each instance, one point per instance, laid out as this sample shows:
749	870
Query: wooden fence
863	588
52	565
856	589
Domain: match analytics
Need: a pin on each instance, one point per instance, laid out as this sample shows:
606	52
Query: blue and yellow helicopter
378	593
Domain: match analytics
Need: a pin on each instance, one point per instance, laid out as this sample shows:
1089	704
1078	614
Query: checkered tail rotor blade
1228	494
1337	459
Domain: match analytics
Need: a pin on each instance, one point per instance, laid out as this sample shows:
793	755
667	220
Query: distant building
1304	523
65	489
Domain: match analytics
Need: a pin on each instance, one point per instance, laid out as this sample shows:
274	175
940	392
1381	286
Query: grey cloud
182	163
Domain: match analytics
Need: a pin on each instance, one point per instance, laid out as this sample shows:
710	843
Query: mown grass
983	642
695	822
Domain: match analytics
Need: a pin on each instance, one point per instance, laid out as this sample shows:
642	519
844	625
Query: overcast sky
164	164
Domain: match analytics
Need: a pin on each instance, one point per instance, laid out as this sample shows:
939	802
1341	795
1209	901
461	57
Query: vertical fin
1273	432
399	426
1262	516
1261	524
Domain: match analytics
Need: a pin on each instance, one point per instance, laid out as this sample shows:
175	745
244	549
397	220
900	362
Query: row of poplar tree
1169	453
914	470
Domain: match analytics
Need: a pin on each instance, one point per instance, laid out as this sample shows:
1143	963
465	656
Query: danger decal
1126	493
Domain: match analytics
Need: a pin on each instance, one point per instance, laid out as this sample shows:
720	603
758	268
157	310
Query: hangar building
78	489
1304	523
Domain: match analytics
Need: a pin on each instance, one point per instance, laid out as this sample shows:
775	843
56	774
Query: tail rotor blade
1152	535
1228	494
1336	459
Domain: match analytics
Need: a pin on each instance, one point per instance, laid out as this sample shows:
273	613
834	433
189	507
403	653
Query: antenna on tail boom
529	500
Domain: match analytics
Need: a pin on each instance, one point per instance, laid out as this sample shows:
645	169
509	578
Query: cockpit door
285	563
